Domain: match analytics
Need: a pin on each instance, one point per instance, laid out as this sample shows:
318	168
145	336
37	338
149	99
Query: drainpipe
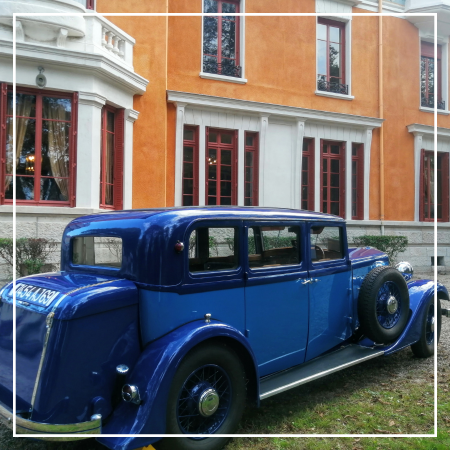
381	108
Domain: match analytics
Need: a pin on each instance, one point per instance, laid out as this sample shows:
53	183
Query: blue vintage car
167	321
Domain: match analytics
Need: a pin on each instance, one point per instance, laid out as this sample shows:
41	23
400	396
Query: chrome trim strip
317	375
49	323
24	426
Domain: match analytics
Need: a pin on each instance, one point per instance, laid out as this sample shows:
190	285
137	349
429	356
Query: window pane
213	249
228	39
326	243
109	121
212	188
225	201
335	61
228	8
226	157
25	140
273	246
212	172
55	149
212	201
249	140
97	251
249	174
210	35
225	188
335	34
322	57
212	137
188	200
226	138
188	134
109	158
188	186
334	165
335	149
321	31
24	189
225	173
210	6
54	189
249	158
188	154
56	108
25	105
210	65
188	170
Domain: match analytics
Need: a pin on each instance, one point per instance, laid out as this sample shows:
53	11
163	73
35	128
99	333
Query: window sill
334	95
444	112
49	210
213	76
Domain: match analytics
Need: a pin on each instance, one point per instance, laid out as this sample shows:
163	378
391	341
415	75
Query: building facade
328	113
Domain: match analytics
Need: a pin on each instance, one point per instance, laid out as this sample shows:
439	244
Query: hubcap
392	305
208	402
432	325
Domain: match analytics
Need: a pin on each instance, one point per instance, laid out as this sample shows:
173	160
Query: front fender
153	376
420	292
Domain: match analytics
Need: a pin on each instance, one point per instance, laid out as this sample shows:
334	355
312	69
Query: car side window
326	243
270	246
212	249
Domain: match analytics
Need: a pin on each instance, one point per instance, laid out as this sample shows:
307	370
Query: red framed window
357	181
46	127
427	76
111	158
221	38
428	179
251	169
190	166
308	174
333	177
331	56
221	167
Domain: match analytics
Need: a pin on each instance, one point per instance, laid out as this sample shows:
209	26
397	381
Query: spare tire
383	304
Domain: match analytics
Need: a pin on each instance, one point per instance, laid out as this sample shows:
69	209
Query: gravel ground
422	368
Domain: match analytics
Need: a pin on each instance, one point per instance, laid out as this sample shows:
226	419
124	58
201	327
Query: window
326	243
428	180
270	246
251	169
97	251
308	175
111	158
221	167
357	181
88	4
212	249
427	71
221	38
333	178
45	147
190	166
331	56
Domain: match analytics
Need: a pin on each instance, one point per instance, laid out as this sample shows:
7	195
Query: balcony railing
429	103
331	86
227	69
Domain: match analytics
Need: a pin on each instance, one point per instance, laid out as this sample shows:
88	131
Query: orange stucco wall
280	66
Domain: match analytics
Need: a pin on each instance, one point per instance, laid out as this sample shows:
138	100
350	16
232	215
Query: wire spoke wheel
204	400
389	305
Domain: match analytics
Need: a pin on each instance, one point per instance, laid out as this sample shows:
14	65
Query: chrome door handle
307	281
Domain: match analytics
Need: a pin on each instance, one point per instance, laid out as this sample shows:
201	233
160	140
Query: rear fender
419	293
153	376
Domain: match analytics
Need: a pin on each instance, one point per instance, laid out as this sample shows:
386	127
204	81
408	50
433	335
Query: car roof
197	212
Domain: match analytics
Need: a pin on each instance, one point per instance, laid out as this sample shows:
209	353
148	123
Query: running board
316	368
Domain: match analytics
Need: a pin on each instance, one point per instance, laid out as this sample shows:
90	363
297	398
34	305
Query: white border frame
15	15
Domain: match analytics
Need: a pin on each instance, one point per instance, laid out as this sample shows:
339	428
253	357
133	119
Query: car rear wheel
431	330
383	304
207	397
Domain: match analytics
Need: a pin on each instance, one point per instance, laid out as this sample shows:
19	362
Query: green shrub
391	245
31	254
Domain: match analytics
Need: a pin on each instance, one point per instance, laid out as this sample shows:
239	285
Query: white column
317	174
88	149
367	150
417	152
201	164
130	117
348	180
297	166
263	124
241	168
178	201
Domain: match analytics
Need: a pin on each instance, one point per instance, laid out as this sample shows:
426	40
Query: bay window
221	38
428	179
111	158
45	147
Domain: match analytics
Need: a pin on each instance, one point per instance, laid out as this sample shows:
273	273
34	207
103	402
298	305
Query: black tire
381	287
424	347
215	360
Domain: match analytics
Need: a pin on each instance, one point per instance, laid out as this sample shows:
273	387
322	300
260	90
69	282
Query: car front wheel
207	397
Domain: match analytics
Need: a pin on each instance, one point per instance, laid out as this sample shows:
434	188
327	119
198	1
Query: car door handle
310	280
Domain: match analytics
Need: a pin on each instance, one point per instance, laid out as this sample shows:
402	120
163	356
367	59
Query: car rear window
97	251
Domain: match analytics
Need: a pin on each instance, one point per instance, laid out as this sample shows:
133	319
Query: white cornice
91	99
257	108
427	130
90	61
131	115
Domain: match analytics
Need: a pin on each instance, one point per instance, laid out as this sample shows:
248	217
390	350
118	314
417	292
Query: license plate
34	294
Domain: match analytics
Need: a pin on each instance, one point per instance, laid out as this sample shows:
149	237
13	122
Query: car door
276	298
330	298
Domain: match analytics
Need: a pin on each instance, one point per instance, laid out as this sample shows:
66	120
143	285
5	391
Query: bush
391	245
31	254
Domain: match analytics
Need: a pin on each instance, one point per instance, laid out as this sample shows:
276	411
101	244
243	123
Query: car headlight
406	269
